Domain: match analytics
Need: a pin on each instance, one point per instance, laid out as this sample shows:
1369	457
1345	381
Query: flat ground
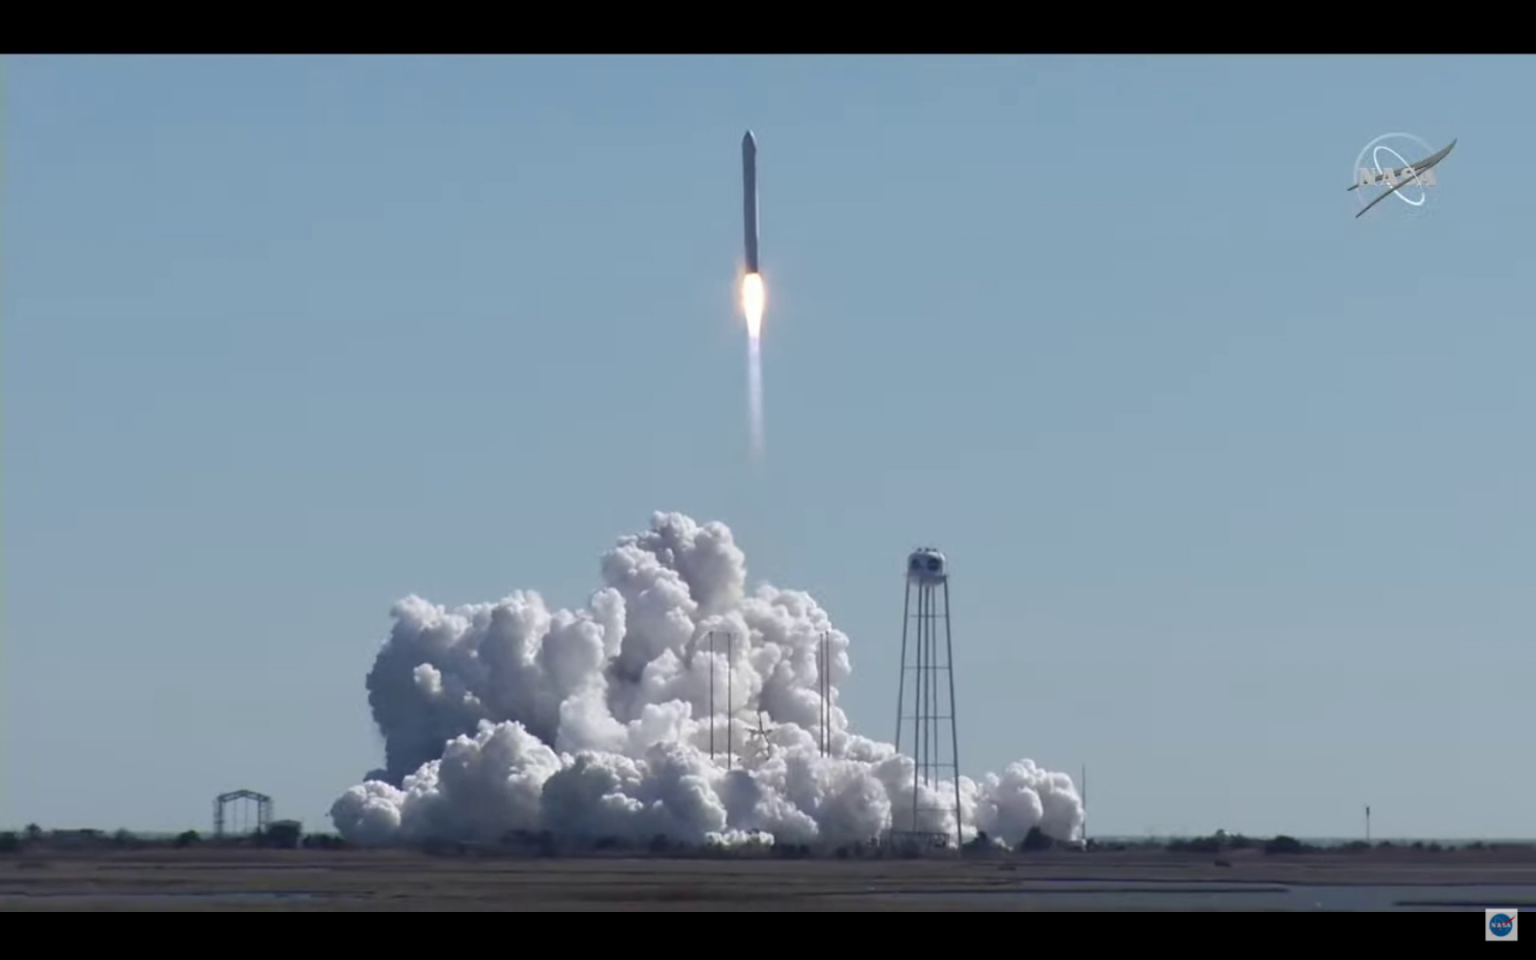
266	880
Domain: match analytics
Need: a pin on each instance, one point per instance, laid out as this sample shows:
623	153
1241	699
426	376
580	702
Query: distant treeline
278	835
1222	842
528	843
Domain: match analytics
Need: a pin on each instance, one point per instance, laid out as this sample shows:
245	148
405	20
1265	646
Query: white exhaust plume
509	716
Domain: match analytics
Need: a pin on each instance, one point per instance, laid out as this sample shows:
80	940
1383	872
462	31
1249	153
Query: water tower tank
927	565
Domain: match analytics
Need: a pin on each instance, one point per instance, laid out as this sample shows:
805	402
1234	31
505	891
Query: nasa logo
1501	924
1386	170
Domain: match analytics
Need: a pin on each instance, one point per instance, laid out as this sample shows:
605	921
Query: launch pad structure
714	641
931	700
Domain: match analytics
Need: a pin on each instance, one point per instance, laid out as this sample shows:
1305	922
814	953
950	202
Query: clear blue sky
1238	490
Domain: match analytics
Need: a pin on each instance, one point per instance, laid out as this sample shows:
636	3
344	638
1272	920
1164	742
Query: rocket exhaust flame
754	300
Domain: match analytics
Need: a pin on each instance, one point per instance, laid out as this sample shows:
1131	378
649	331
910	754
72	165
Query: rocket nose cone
748	141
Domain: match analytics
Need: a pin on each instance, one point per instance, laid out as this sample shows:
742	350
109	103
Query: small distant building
284	833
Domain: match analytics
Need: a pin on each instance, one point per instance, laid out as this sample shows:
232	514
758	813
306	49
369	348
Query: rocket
752	299
749	198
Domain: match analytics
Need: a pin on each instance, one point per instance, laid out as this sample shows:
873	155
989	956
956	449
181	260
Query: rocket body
752	299
749	198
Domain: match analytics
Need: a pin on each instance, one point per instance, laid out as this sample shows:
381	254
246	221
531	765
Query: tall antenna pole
826	644
711	696
901	681
730	717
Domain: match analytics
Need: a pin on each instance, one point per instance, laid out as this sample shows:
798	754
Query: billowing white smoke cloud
509	716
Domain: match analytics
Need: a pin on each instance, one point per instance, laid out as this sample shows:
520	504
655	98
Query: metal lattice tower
242	802
926	702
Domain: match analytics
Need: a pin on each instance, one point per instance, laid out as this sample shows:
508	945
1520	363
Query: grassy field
267	880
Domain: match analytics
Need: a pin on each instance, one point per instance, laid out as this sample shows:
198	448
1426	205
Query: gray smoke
510	716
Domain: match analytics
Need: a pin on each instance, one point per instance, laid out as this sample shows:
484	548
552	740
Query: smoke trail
509	716
754	303
755	396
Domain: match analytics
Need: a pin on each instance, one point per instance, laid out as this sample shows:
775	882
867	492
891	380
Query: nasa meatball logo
1399	165
1501	924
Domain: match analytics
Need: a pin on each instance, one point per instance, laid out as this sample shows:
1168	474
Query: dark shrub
1284	844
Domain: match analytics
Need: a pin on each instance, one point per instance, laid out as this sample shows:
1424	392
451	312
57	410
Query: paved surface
263	880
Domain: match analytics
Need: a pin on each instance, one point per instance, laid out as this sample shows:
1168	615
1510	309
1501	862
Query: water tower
925	694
